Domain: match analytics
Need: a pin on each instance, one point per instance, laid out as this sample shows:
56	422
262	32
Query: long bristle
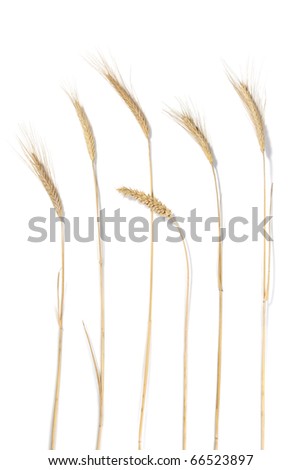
86	125
191	123
36	157
252	105
147	200
118	84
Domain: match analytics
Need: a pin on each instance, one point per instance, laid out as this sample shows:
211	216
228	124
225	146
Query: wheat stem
220	288
60	343
91	148
149	327
186	335
264	314
102	307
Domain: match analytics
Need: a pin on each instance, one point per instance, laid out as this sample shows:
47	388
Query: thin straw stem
185	360
264	315
220	288
149	328
186	337
60	344
102	307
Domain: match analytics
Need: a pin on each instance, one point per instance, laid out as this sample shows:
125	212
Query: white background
167	50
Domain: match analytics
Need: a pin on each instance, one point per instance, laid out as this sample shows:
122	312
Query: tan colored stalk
91	148
149	328
116	81
191	123
36	158
160	209
255	111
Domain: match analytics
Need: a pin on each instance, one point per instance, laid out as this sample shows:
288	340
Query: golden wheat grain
86	125
192	124
118	84
252	105
147	200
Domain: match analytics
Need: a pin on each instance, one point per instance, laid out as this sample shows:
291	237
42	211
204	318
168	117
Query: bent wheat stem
159	208
186	343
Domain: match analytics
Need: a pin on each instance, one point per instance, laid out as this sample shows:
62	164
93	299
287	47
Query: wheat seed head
147	200
36	157
117	82
252	104
190	121
85	123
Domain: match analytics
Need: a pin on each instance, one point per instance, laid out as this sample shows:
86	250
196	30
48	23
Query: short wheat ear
116	81
254	107
160	209
36	157
147	200
91	148
191	122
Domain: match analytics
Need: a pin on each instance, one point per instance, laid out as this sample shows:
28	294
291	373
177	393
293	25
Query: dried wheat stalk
116	81
192	124
36	157
91	148
159	208
255	110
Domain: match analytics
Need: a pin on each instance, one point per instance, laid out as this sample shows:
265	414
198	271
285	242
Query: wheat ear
116	81
255	111
36	157
160	209
147	200
85	124
91	148
253	106
192	124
